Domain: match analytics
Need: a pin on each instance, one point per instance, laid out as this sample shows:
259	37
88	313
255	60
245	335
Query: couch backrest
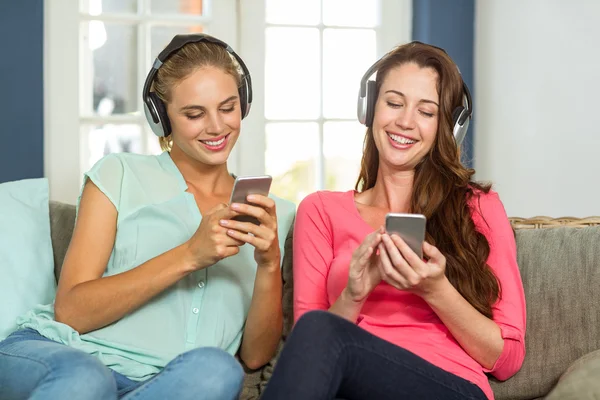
560	269
62	222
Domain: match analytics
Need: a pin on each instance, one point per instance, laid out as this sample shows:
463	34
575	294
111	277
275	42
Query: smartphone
246	185
410	227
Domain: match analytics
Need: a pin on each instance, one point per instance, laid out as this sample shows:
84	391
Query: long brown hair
183	63
442	185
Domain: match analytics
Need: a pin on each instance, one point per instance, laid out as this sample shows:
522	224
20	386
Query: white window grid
321	119
143	21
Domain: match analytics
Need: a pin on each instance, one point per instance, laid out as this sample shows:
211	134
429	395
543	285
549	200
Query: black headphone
367	97
155	109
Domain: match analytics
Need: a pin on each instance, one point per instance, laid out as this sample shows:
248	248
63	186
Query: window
118	42
101	52
315	52
305	56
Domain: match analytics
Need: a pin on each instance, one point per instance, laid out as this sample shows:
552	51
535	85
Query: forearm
94	304
264	324
478	335
346	308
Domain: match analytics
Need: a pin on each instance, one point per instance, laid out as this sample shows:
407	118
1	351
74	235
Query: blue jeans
34	367
327	357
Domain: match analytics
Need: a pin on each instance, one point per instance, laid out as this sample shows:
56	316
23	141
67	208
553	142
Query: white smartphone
246	185
410	227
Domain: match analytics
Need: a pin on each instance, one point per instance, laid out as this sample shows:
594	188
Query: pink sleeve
313	253
509	310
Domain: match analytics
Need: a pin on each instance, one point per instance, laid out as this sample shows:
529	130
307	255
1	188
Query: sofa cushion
560	268
26	263
62	222
580	381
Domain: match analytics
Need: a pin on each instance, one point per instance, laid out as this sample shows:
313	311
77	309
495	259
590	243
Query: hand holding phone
410	227
245	186
246	227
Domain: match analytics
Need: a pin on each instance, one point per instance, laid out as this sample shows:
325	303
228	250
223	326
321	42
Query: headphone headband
155	109
367	97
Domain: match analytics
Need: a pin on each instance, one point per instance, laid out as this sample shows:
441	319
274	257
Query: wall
21	81
537	73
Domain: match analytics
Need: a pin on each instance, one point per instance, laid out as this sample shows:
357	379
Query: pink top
329	228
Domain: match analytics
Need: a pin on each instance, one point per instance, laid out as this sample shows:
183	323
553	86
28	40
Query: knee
222	375
318	324
89	375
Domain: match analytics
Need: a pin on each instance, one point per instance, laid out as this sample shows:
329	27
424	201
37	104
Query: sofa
559	261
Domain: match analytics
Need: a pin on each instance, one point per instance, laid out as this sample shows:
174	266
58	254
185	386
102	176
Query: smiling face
205	115
406	116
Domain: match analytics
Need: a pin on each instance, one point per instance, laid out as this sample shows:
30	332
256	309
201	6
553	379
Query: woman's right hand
210	243
364	274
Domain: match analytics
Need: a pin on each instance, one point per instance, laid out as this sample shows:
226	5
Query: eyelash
226	110
393	105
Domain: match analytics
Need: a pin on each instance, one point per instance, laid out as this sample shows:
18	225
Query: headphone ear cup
460	117
163	119
243	93
456	114
162	114
370	103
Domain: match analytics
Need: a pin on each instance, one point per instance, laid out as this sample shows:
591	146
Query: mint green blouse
206	308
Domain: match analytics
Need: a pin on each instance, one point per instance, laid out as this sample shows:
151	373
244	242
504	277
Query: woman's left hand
264	236
405	270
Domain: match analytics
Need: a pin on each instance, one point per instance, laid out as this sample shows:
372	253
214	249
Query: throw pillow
26	262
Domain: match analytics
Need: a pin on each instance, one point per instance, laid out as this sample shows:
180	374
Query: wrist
348	298
438	291
189	260
269	266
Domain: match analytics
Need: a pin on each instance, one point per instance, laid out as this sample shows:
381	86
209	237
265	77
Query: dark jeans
327	357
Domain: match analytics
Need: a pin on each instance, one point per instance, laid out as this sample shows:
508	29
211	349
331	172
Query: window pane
300	12
160	36
97	7
193	7
292	72
343	66
359	13
111	138
291	158
108	68
342	149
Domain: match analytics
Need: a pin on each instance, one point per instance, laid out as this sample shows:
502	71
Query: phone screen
247	185
410	227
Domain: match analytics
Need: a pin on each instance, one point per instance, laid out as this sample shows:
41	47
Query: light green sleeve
107	175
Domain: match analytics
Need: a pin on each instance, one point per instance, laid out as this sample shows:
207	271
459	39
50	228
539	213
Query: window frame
66	150
395	28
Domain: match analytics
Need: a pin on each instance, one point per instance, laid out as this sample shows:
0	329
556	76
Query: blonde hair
184	62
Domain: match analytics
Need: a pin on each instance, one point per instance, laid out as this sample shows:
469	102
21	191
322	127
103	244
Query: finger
231	241
260	231
432	252
399	262
259	243
413	260
366	256
218	207
231	251
224	212
247	227
263	201
388	272
370	242
254	211
374	238
223	238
